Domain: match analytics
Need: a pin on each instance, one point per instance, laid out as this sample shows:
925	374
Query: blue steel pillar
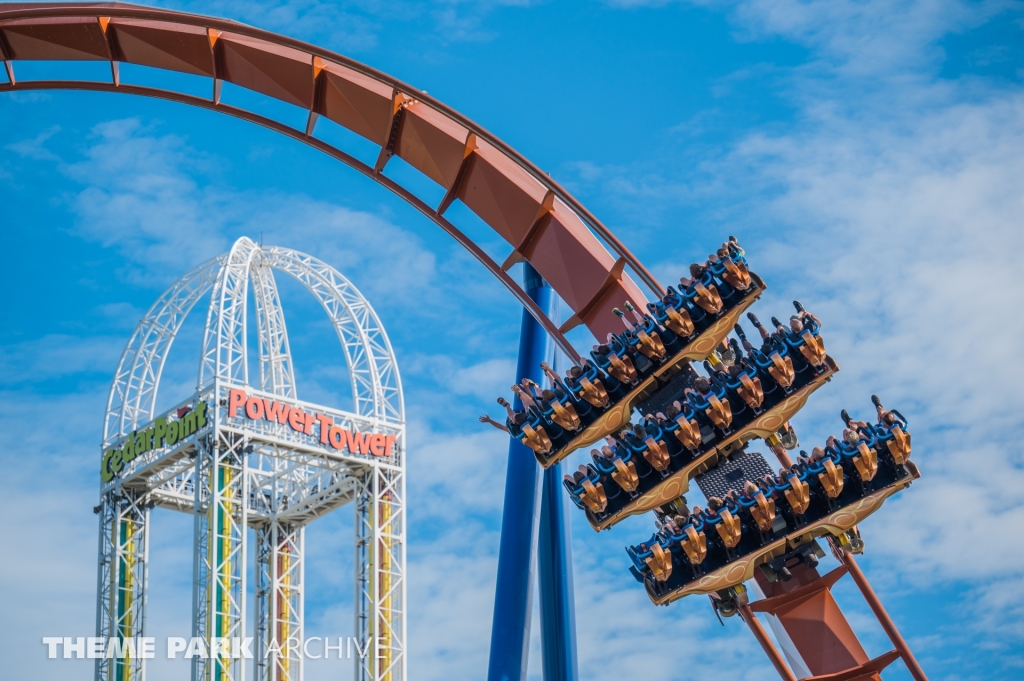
557	603
510	631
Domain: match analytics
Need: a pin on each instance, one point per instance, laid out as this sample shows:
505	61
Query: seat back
536	439
831	479
813	348
719	411
695	546
899	445
866	462
565	415
688	433
594	392
736	273
729	529
660	563
593	497
625	475
750	391
707	297
763	512
782	369
650	345
622	368
798	495
656	454
679	321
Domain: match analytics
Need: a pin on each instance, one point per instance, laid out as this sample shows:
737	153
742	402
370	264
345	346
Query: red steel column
883	617
813	621
773	654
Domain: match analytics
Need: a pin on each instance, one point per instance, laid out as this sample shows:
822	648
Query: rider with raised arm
557	386
511	425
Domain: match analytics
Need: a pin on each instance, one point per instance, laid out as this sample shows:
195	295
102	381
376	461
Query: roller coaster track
544	224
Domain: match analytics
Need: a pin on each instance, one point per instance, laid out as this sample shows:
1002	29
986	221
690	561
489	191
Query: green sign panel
153	436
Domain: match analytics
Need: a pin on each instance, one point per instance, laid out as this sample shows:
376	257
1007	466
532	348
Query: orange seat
813	348
622	368
650	345
782	369
593	497
695	546
736	273
536	439
866	462
625	475
719	412
899	445
594	392
565	415
656	454
688	433
750	391
764	512
831	479
679	321
799	494
729	529
660	563
707	297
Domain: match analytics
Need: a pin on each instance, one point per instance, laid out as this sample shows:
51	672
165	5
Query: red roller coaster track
542	222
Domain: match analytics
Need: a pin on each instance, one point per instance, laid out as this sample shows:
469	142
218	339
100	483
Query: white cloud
139	198
146	195
854	37
59	356
50	446
35	148
877	36
484	381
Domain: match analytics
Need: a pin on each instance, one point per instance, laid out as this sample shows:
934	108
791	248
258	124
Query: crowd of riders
549	418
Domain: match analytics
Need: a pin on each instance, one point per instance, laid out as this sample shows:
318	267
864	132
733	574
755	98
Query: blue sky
868	154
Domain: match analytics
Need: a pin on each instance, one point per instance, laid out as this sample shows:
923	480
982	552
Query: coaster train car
663	424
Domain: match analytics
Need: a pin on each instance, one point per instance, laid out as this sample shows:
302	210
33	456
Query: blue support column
510	631
557	602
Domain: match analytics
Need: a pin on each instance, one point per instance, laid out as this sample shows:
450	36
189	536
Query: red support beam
883	617
770	650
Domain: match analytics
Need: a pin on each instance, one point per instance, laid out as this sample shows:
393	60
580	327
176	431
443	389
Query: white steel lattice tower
240	456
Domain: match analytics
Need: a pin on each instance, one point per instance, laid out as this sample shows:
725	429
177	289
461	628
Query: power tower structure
242	454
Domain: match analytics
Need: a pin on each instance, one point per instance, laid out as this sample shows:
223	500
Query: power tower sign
309	423
241	457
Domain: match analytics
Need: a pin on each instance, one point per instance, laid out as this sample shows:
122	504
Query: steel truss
218	588
236	474
380	577
132	399
280	571
122	579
